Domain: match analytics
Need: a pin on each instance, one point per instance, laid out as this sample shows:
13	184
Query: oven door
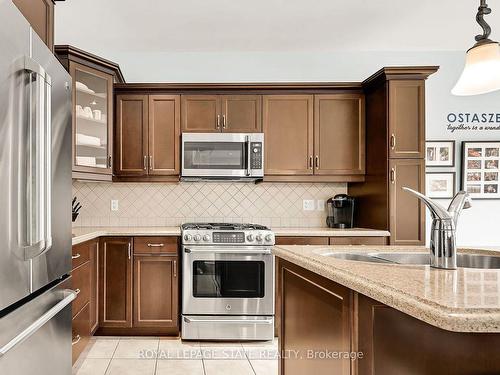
228	281
222	155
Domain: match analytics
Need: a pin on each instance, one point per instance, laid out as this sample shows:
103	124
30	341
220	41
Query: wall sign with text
475	121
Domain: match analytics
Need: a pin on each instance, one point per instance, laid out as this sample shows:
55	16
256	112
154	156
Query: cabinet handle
317	162
76	256
311	162
129	251
175	268
76	340
393	175
155	245
150	162
393	141
145	162
109	161
77	291
217	126
224	121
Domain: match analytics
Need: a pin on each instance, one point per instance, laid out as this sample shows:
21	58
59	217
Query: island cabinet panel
288	129
406	213
406	119
131	135
339	134
115	282
289	240
242	113
316	317
394	343
155	291
201	113
164	135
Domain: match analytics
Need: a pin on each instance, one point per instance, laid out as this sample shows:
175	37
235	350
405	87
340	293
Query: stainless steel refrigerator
35	203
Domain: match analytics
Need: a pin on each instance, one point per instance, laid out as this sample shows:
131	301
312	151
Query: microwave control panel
256	155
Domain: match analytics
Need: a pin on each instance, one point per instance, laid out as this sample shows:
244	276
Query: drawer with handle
80	254
80	331
81	285
155	245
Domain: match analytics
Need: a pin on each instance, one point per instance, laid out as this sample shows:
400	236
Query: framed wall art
440	153
440	184
481	169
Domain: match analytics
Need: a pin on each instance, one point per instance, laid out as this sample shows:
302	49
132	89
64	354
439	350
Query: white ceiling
102	26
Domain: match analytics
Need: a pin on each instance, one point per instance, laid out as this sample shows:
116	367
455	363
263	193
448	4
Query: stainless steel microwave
231	156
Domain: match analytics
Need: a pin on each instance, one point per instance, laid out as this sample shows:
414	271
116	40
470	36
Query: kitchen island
388	318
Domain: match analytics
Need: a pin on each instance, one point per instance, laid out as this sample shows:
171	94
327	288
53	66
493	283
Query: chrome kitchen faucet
444	225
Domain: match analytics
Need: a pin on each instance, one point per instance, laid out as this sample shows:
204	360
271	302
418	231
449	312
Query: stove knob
206	238
197	237
269	238
250	237
258	237
188	237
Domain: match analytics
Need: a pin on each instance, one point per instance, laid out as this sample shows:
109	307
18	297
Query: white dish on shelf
83	87
101	122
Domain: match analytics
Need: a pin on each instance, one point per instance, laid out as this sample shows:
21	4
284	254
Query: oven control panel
228	237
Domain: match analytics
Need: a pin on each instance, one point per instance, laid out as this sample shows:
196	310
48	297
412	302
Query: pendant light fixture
482	63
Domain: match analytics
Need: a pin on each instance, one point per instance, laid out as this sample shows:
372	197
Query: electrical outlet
114	204
308	204
320	205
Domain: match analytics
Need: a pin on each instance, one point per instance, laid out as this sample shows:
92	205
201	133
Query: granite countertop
82	234
462	300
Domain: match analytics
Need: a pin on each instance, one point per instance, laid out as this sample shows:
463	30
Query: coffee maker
340	210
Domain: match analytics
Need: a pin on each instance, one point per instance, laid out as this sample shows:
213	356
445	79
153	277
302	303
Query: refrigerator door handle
39	323
39	151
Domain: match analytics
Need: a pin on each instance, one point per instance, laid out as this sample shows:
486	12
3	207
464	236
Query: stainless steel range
228	282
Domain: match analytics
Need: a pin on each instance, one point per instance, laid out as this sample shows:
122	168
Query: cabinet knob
317	162
145	162
224	124
311	162
76	340
217	125
393	175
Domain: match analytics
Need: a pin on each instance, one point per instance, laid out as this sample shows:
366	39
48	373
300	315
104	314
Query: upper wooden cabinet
242	113
40	15
221	113
339	134
288	130
93	79
406	213
320	135
147	135
131	135
406	119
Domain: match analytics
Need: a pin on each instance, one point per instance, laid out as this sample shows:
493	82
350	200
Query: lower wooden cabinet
115	282
84	282
139	288
155	291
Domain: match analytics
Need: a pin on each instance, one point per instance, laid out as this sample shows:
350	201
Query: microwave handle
248	145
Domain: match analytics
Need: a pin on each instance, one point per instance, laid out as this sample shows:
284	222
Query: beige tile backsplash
143	204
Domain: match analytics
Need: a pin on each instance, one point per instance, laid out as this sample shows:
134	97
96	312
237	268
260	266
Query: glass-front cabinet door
92	120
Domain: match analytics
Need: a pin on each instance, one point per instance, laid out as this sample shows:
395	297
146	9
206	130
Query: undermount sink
404	258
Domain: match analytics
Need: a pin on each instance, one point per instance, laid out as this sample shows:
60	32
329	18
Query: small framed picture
440	184
440	153
481	169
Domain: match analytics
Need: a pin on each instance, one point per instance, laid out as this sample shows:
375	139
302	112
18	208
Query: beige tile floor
166	356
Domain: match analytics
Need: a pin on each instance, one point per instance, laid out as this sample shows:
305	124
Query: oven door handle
229	251
234	321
